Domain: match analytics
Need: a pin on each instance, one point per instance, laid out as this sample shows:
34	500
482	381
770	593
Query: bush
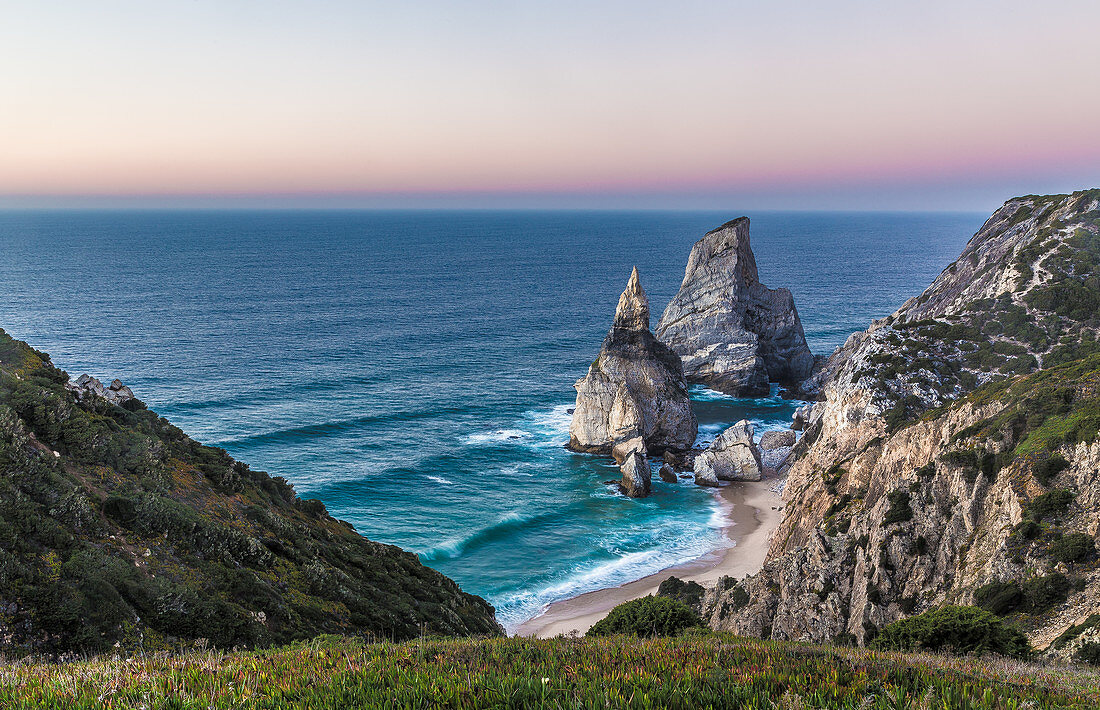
955	629
999	598
647	617
1047	469
900	510
1042	593
1073	548
1089	653
1050	505
690	593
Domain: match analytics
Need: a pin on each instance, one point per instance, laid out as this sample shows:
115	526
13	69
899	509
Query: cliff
117	528
953	457
733	333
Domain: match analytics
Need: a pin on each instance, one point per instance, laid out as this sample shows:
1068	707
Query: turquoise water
413	369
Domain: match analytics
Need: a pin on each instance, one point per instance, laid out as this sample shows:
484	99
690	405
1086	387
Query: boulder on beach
776	439
734	334
732	457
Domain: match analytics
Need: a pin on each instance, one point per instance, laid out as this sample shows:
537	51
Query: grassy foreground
701	671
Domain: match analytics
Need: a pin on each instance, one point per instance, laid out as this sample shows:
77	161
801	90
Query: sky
781	104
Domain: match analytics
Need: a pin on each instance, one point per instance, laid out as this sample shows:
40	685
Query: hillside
953	457
702	671
117	529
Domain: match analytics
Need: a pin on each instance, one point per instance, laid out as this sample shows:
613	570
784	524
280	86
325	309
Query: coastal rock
904	494
117	393
667	474
776	440
635	388
735	335
732	457
775	459
636	475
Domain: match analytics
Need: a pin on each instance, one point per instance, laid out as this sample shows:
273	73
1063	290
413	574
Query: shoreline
751	514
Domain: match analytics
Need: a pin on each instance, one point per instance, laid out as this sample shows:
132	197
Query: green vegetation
647	617
689	593
695	671
1034	596
900	510
956	629
134	534
1074	547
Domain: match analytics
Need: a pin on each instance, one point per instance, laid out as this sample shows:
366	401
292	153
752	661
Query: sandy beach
752	514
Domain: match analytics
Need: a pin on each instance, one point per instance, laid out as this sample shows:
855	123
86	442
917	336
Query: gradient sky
839	104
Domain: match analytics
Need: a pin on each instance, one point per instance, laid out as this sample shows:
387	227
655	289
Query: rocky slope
634	401
116	528
953	455
734	334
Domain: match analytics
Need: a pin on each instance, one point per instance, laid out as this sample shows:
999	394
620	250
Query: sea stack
733	333
634	399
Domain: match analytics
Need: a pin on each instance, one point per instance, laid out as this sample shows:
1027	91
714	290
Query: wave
440	479
665	549
538	428
321	430
504	527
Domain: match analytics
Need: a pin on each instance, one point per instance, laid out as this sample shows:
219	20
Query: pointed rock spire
633	310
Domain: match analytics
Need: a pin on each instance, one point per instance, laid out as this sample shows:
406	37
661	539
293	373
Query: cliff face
117	528
733	333
635	388
953	455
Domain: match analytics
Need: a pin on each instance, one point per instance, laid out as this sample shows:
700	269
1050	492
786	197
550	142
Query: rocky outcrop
634	388
733	333
116	393
950	449
634	399
732	457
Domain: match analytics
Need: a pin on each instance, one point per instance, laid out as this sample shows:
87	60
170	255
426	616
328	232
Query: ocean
413	370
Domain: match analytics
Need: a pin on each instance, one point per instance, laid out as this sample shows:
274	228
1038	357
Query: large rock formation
634	398
940	465
734	333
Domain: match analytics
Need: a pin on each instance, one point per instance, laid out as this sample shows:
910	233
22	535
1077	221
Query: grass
694	671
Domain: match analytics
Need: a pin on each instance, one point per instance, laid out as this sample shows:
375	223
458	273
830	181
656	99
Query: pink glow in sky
783	104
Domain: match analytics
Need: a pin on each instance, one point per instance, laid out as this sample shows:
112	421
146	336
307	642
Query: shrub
1046	470
690	593
1042	593
900	511
955	629
1073	548
999	598
647	617
1089	653
1050	505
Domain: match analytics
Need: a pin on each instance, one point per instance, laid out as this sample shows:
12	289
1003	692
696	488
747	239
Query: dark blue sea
413	369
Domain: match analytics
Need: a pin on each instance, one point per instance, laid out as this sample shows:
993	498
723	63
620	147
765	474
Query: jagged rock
776	440
634	388
636	475
734	334
117	393
706	476
732	457
666	473
904	494
622	450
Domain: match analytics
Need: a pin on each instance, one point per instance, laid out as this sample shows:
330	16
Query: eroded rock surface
950	449
634	398
732	457
734	334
